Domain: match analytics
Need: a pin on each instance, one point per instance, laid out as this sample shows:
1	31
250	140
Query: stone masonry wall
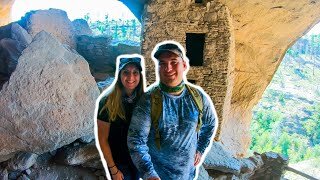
101	55
165	20
96	50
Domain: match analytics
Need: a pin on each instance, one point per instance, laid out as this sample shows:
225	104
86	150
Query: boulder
86	155
16	32
87	139
81	27
14	175
251	164
12	42
53	21
22	161
9	55
23	177
21	35
49	100
273	165
221	160
58	171
203	174
3	174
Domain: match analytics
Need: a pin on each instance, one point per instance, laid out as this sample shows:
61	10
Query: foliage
268	135
292	52
128	30
287	118
306	45
312	125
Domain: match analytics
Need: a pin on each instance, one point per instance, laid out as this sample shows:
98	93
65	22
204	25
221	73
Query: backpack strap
156	110
198	100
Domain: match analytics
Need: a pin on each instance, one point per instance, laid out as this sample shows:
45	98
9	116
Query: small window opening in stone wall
195	47
199	1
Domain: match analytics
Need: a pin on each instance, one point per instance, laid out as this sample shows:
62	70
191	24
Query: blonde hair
114	105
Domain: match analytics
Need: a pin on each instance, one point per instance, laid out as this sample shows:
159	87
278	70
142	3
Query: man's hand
197	158
153	178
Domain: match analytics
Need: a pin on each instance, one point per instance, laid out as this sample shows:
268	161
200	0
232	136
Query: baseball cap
168	47
125	61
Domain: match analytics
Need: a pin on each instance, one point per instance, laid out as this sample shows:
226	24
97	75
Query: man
173	123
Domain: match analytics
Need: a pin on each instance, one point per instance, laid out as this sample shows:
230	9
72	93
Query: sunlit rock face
5	11
263	32
53	21
49	100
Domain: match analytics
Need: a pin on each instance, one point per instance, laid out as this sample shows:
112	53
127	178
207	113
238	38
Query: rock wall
97	51
172	21
101	55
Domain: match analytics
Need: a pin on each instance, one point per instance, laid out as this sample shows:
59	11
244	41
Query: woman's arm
103	134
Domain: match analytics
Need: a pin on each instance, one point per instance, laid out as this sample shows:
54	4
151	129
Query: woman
114	117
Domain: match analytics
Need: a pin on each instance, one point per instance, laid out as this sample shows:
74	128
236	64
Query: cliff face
263	30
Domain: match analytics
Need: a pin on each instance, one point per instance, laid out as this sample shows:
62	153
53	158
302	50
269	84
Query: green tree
266	119
312	125
284	144
120	30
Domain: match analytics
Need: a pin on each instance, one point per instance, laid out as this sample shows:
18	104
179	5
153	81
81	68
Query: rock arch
261	32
